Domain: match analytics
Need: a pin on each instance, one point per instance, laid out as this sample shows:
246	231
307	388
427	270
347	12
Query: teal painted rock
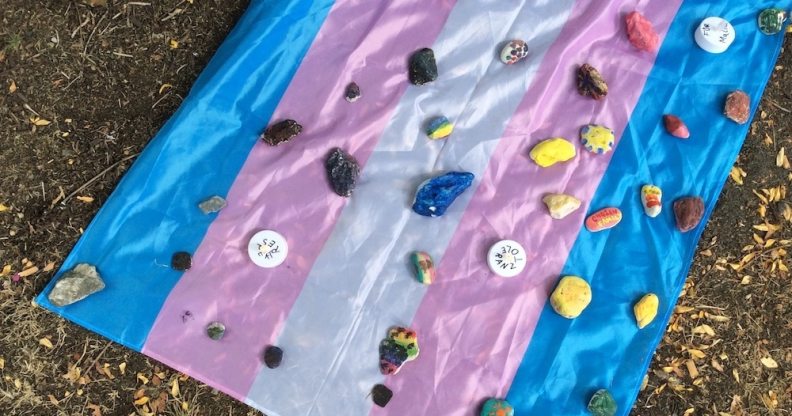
497	407
771	21
602	404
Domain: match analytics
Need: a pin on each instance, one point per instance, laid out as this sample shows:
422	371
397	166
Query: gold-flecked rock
646	309
571	296
551	151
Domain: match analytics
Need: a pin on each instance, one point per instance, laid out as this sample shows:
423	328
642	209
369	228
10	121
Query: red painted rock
641	32
675	126
688	212
738	107
603	219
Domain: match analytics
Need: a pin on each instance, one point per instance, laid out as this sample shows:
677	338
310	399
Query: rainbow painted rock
435	195
645	310
675	126
571	297
771	21
641	33
597	139
688	212
590	82
738	107
551	151
439	128
561	205
513	52
497	407
652	200
424	267
400	347
602	404
603	219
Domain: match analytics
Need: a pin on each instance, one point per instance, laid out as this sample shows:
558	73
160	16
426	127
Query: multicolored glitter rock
645	310
273	356
423	67
352	92
551	151
561	205
497	407
590	82
342	172
181	261
215	331
281	132
424	267
212	205
652	200
771	21
675	126
738	107
439	128
597	139
381	395
602	404
688	212
571	297
75	285
641	32
514	51
603	219
400	347
435	195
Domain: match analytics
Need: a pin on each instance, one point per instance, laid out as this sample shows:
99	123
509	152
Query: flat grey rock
75	285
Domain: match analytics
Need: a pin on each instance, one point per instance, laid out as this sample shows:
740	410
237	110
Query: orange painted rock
738	107
641	32
603	219
675	126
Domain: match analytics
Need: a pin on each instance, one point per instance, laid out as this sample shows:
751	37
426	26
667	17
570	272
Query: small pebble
714	35
646	310
675	126
514	51
439	128
551	151
342	171
641	32
352	92
273	356
423	67
603	219
506	258
561	205
281	132
688	212
590	82
215	331
602	404
435	195
738	107
75	285
771	21
424	267
571	297
597	139
381	395
181	261
212	205
497	407
652	200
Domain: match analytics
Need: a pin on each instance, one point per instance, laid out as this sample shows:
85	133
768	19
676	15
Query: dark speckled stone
423	67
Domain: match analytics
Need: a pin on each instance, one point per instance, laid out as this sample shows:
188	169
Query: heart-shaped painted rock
603	219
597	139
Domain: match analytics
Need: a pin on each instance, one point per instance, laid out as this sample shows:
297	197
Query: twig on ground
95	178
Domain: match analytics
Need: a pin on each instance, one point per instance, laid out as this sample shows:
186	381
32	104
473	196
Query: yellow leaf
736	375
745	280
763	211
692	370
2	363
758	239
769	362
3	208
122	368
175	388
165	87
696	353
86	199
49	267
38	121
185	406
174	44
29	271
6	270
12	88
704	329
46	342
737	175
141	401
142	378
781	159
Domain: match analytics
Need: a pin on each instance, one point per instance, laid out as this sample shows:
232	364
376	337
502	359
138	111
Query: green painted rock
602	404
771	21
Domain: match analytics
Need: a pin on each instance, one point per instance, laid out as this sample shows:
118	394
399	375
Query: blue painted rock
514	52
423	67
597	139
437	194
342	171
439	128
497	407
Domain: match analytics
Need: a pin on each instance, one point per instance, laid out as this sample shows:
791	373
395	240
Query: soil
83	89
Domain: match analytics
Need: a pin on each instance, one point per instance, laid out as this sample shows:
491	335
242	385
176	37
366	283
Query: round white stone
506	258
715	35
268	249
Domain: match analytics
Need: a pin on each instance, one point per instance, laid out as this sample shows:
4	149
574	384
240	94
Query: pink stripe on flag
285	189
474	327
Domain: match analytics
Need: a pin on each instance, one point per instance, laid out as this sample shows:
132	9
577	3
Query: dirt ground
82	90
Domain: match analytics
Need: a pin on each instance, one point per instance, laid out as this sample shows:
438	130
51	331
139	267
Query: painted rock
181	261
571	296
602	404
423	67
439	128
273	356
652	200
771	21
342	172
590	82
561	205
738	107
506	258
215	331
399	347
714	35
75	285
551	151
281	132
688	212
641	32
675	126
435	195
424	267
646	310
597	139
497	407
212	205
352	92
603	219
381	395
268	249
514	52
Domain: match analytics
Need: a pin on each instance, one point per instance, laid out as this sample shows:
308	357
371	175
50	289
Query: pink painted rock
688	212
641	32
675	126
603	219
738	107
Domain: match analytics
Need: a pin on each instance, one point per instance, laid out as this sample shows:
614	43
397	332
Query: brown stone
590	82
688	212
281	132
738	107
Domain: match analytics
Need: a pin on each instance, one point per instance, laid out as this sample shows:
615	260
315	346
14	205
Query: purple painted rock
281	132
688	212
675	126
590	82
738	107
641	32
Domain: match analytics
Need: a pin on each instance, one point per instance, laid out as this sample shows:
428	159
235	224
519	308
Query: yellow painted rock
571	296
646	309
561	205
551	151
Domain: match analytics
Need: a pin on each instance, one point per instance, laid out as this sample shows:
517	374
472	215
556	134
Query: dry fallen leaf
141	401
174	44
6	270
175	388
165	87
86	199
46	342
737	175
143	379
97	411
122	368
692	370
3	208
769	362
49	267
12	88
29	271
38	121
704	329
781	159
2	363
53	400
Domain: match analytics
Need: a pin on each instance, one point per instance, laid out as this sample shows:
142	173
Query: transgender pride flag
346	279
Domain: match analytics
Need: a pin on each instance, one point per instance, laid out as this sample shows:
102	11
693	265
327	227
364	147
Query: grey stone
213	204
75	285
